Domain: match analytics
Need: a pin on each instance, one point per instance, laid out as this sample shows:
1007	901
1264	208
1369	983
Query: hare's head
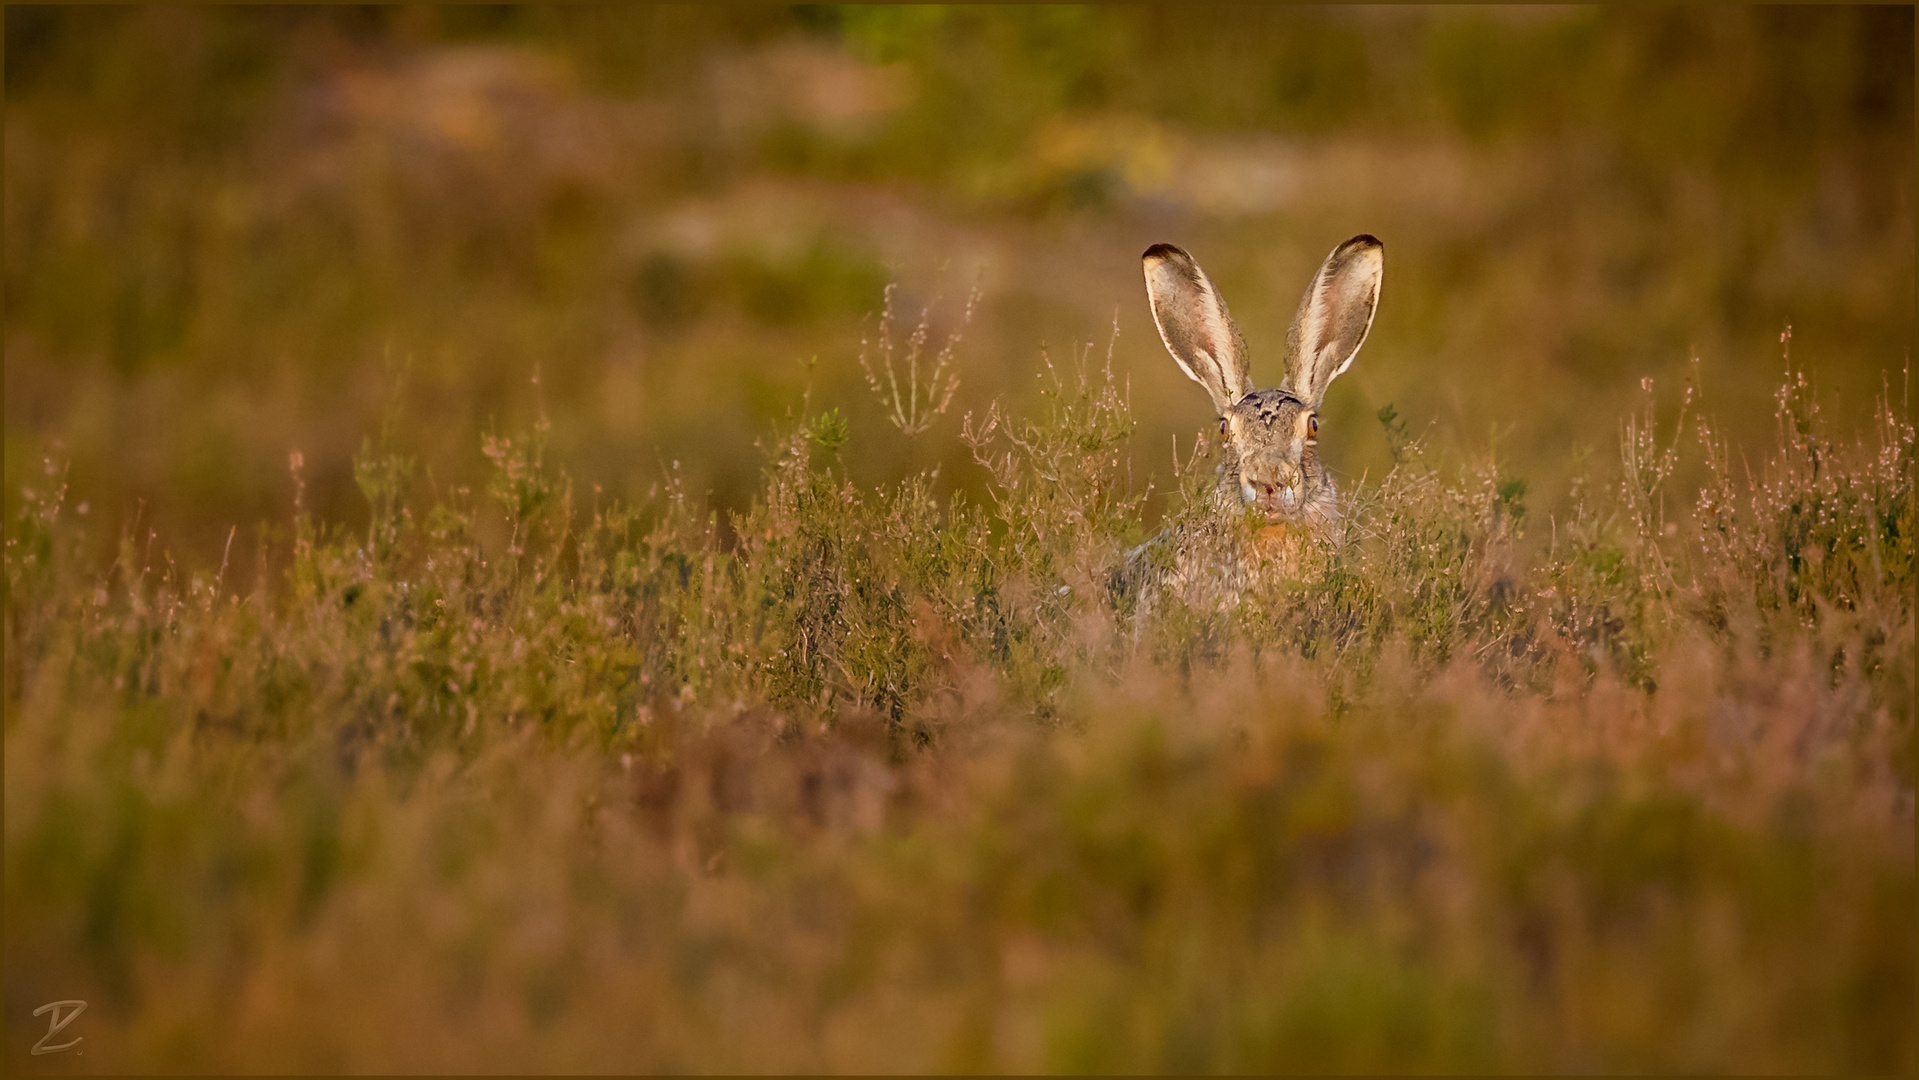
1272	435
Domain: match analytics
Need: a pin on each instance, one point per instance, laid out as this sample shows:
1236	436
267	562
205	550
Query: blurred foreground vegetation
901	783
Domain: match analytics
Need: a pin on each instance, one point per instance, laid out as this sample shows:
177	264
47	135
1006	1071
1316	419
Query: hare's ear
1195	326
1333	318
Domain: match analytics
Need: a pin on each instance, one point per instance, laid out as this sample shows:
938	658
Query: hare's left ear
1333	318
1195	326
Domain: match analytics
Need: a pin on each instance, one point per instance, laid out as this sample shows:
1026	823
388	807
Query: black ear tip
1364	240
1163	251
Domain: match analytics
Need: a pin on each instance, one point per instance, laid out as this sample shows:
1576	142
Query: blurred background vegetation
230	231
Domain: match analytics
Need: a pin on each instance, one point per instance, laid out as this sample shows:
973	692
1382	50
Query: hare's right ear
1195	326
1333	318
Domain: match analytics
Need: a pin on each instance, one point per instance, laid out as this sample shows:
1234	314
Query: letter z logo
60	1019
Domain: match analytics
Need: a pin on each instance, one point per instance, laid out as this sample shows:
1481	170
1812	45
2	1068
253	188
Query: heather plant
368	707
883	779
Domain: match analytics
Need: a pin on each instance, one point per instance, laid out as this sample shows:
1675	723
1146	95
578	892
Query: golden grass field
476	601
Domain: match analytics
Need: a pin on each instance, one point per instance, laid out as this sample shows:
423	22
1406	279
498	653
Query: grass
529	778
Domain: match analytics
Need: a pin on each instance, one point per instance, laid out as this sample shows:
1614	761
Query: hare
1269	468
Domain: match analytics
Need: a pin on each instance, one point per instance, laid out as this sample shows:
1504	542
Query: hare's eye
1222	425
1312	426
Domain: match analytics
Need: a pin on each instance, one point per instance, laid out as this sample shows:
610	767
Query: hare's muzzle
1277	497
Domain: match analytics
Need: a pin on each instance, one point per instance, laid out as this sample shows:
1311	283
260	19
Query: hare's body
1213	557
1274	497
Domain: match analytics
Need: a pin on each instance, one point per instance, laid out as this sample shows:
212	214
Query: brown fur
1269	456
